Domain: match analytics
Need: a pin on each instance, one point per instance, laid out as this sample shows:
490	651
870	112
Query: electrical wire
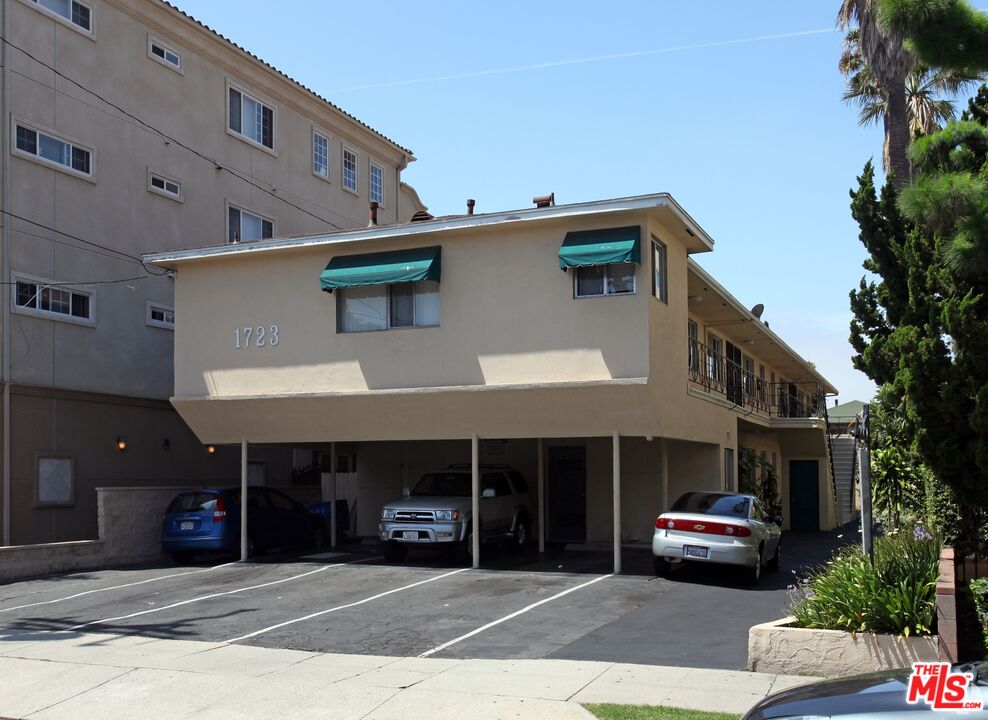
216	164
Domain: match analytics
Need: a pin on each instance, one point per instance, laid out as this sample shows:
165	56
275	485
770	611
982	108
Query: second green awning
382	268
601	247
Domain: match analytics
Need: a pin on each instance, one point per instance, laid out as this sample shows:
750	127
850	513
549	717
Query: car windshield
735	506
193	502
445	484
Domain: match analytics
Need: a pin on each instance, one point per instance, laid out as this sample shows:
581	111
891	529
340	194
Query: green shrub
895	594
979	589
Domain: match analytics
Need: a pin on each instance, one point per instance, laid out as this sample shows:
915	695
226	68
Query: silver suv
437	511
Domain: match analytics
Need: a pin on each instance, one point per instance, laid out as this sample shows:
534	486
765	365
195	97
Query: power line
121	253
217	164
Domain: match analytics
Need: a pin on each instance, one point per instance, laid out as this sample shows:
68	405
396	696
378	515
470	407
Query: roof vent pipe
373	214
470	203
543	201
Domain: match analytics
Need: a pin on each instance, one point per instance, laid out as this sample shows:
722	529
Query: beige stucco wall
120	355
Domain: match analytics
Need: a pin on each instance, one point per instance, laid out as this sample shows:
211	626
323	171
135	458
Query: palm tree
889	62
927	90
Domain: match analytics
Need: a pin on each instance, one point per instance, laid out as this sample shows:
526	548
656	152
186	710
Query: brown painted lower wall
957	620
85	427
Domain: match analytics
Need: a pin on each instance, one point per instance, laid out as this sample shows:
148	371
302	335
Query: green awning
383	268
601	247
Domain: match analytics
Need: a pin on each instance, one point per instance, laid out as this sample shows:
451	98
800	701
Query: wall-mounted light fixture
121	443
211	449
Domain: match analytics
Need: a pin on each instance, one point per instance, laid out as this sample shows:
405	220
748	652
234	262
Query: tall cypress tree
921	330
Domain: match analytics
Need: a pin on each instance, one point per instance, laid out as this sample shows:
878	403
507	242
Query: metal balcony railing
715	373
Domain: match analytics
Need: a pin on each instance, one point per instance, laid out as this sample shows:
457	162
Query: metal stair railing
830	455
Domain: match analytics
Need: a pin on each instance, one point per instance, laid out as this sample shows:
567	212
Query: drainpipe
541	476
616	460
5	165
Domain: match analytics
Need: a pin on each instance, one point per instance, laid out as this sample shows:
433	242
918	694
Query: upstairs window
52	300
160	316
75	12
384	307
163	186
349	170
597	280
660	278
377	184
158	51
251	118
52	150
245	226
320	155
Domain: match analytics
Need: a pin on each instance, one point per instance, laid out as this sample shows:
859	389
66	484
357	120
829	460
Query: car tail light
219	514
702	526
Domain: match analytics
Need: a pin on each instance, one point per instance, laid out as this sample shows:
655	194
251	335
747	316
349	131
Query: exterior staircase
845	473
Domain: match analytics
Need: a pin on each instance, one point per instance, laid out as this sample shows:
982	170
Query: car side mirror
778	520
406	493
488	493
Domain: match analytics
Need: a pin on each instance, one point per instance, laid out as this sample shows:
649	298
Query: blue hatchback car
208	520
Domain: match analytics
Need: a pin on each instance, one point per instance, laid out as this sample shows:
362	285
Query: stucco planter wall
780	647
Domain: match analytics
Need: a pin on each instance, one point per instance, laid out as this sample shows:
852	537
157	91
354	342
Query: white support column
541	508
243	500
475	497
664	469
616	461
332	494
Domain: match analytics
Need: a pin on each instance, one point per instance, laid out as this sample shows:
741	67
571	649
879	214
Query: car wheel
773	563
520	538
661	566
755	573
466	549
395	551
319	538
183	557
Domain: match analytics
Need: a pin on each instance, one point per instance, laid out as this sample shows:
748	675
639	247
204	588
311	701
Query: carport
330	491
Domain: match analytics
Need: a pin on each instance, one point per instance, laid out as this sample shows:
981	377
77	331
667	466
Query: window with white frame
251	118
161	184
383	307
597	280
163	54
52	300
377	183
349	169
53	150
160	316
56	481
77	13
660	270
244	226
320	155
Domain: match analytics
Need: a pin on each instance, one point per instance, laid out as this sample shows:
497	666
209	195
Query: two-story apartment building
127	127
580	344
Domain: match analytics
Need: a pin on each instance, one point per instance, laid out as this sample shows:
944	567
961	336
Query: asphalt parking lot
564	604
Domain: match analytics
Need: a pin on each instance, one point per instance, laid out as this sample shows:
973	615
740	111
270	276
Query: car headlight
388	514
447	515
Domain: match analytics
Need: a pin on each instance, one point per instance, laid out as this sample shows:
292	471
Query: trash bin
342	516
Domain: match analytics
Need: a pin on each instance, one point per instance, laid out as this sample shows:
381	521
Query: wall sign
255	336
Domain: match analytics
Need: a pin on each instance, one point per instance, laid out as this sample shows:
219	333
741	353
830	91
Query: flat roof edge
639	202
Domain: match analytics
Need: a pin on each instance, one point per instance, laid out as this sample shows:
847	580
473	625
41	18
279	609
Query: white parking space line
115	587
210	596
516	613
344	607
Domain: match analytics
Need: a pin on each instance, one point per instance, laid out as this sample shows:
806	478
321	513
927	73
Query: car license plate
410	535
696	551
187	525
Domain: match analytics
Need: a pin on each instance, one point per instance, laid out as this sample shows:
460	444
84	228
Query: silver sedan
718	527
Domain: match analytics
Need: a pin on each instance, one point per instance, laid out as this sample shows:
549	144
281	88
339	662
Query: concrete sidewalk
82	676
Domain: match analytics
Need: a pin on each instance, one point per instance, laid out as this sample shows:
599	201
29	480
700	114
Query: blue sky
750	135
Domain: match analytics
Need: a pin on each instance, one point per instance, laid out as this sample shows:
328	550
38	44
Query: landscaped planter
781	647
